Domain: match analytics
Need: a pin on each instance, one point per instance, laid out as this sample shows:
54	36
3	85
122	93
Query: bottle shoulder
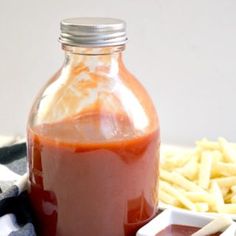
72	92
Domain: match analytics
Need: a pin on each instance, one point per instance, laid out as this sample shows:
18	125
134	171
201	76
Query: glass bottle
93	139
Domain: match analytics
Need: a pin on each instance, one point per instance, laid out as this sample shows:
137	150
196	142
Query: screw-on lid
93	32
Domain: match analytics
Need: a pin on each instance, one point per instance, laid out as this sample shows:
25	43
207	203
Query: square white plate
171	216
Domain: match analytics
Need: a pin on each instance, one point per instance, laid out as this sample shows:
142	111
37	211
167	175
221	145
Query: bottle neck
95	57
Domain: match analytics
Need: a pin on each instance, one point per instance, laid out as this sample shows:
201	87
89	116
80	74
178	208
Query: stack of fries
202	179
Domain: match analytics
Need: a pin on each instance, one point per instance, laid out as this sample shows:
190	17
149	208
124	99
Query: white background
183	51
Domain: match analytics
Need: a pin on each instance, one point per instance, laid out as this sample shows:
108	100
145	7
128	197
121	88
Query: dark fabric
18	205
11	153
12	201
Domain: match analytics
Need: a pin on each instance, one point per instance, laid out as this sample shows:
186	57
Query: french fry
178	195
226	169
202	206
226	182
218	224
205	170
174	162
229	152
233	188
199	197
228	198
217	157
205	144
203	179
233	199
168	199
218	196
180	180
229	208
190	169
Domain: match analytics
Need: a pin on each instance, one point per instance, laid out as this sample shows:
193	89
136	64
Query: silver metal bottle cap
93	32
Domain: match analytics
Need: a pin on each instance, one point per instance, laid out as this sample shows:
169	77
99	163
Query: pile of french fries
202	179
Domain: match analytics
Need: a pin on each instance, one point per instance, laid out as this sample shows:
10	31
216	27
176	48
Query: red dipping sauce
180	230
65	173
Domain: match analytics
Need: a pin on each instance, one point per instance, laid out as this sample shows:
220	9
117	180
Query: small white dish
171	216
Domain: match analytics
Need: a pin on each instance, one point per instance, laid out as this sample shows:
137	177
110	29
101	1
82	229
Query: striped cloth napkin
16	218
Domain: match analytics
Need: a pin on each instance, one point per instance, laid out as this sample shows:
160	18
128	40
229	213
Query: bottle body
93	148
